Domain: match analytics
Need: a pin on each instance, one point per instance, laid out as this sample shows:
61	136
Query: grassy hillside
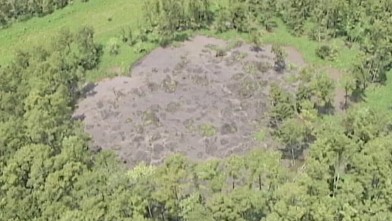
95	13
109	17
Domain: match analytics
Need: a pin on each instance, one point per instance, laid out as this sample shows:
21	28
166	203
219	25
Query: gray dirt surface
187	100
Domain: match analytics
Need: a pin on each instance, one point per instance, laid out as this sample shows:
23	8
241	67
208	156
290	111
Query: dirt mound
204	98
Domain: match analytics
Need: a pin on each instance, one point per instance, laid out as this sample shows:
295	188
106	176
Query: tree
348	84
192	209
256	39
291	203
89	51
113	46
280	57
293	135
365	123
25	173
317	87
223	208
234	167
326	52
11	11
371	171
210	173
173	179
265	168
323	90
283	105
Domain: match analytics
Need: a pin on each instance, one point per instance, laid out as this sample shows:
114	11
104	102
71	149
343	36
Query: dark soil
191	99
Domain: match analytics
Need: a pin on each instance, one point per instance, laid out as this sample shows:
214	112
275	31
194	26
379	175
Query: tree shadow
182	36
358	95
79	117
88	90
256	49
327	109
176	37
293	154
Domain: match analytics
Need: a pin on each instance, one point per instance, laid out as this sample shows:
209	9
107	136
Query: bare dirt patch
204	99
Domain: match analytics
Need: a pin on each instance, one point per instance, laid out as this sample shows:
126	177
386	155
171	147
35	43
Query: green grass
282	36
95	13
380	97
260	135
128	13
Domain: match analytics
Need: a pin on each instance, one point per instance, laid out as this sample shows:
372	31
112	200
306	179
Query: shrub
113	46
326	52
126	35
280	56
220	52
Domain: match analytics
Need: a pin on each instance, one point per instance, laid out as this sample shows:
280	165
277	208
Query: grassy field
281	36
380	97
109	17
95	13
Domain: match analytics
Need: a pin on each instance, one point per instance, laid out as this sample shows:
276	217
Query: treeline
362	22
15	10
346	177
41	149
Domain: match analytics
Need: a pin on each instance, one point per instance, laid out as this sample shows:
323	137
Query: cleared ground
204	98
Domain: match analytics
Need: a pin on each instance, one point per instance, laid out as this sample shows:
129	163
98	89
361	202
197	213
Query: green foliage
326	52
222	20
11	11
166	17
292	133
260	135
207	130
283	105
127	36
317	87
348	84
280	58
47	172
255	37
113	46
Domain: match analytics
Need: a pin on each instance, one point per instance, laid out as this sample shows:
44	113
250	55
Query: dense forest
47	171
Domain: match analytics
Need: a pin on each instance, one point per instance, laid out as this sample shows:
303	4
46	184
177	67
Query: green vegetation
11	11
260	135
48	173
207	130
124	14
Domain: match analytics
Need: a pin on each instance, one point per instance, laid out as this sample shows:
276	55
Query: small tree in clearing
113	46
255	37
280	56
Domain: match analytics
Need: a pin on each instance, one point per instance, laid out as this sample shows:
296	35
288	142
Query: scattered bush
208	130
126	36
326	52
140	48
280	56
220	52
113	46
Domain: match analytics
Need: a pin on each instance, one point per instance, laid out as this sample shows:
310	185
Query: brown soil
196	99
